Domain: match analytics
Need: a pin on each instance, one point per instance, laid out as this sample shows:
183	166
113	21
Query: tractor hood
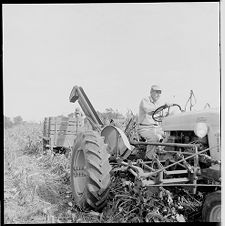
187	120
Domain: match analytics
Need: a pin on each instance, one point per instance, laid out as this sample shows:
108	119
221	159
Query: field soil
37	189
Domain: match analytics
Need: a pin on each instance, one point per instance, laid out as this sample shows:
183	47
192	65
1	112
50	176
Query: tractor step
172	172
175	180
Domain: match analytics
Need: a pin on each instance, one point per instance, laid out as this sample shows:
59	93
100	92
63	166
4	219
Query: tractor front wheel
90	171
211	211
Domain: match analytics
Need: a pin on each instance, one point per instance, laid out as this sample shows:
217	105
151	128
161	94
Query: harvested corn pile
131	203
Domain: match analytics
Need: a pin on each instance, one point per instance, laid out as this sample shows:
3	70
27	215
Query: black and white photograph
112	112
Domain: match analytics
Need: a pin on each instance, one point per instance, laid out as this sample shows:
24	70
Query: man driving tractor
148	128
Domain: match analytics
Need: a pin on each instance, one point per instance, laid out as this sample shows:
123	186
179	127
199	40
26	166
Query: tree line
8	123
107	116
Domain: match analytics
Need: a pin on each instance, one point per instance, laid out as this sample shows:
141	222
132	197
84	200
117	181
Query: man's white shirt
147	106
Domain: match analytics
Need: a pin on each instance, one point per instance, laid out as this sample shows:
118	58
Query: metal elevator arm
78	94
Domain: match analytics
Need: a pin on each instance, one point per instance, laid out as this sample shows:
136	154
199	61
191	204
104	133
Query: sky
114	51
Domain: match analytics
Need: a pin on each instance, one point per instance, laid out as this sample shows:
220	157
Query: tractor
189	156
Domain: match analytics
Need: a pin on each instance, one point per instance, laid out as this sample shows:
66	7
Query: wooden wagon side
60	132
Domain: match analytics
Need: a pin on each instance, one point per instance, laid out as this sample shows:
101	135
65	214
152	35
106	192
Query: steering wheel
159	113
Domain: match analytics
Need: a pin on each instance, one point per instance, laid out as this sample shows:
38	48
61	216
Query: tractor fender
116	139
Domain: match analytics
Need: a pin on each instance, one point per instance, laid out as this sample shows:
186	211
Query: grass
32	183
37	189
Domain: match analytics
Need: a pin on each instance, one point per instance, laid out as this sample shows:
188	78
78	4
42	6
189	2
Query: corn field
37	189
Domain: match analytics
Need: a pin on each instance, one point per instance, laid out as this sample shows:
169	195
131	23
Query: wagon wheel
90	171
211	210
45	143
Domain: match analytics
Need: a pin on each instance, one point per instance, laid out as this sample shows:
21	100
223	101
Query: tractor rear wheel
211	211
90	171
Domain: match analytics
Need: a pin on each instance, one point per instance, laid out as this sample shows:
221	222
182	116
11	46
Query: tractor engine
197	127
189	137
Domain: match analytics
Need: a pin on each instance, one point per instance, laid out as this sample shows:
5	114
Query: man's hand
168	104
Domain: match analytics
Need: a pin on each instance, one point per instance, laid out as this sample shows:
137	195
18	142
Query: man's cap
156	87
